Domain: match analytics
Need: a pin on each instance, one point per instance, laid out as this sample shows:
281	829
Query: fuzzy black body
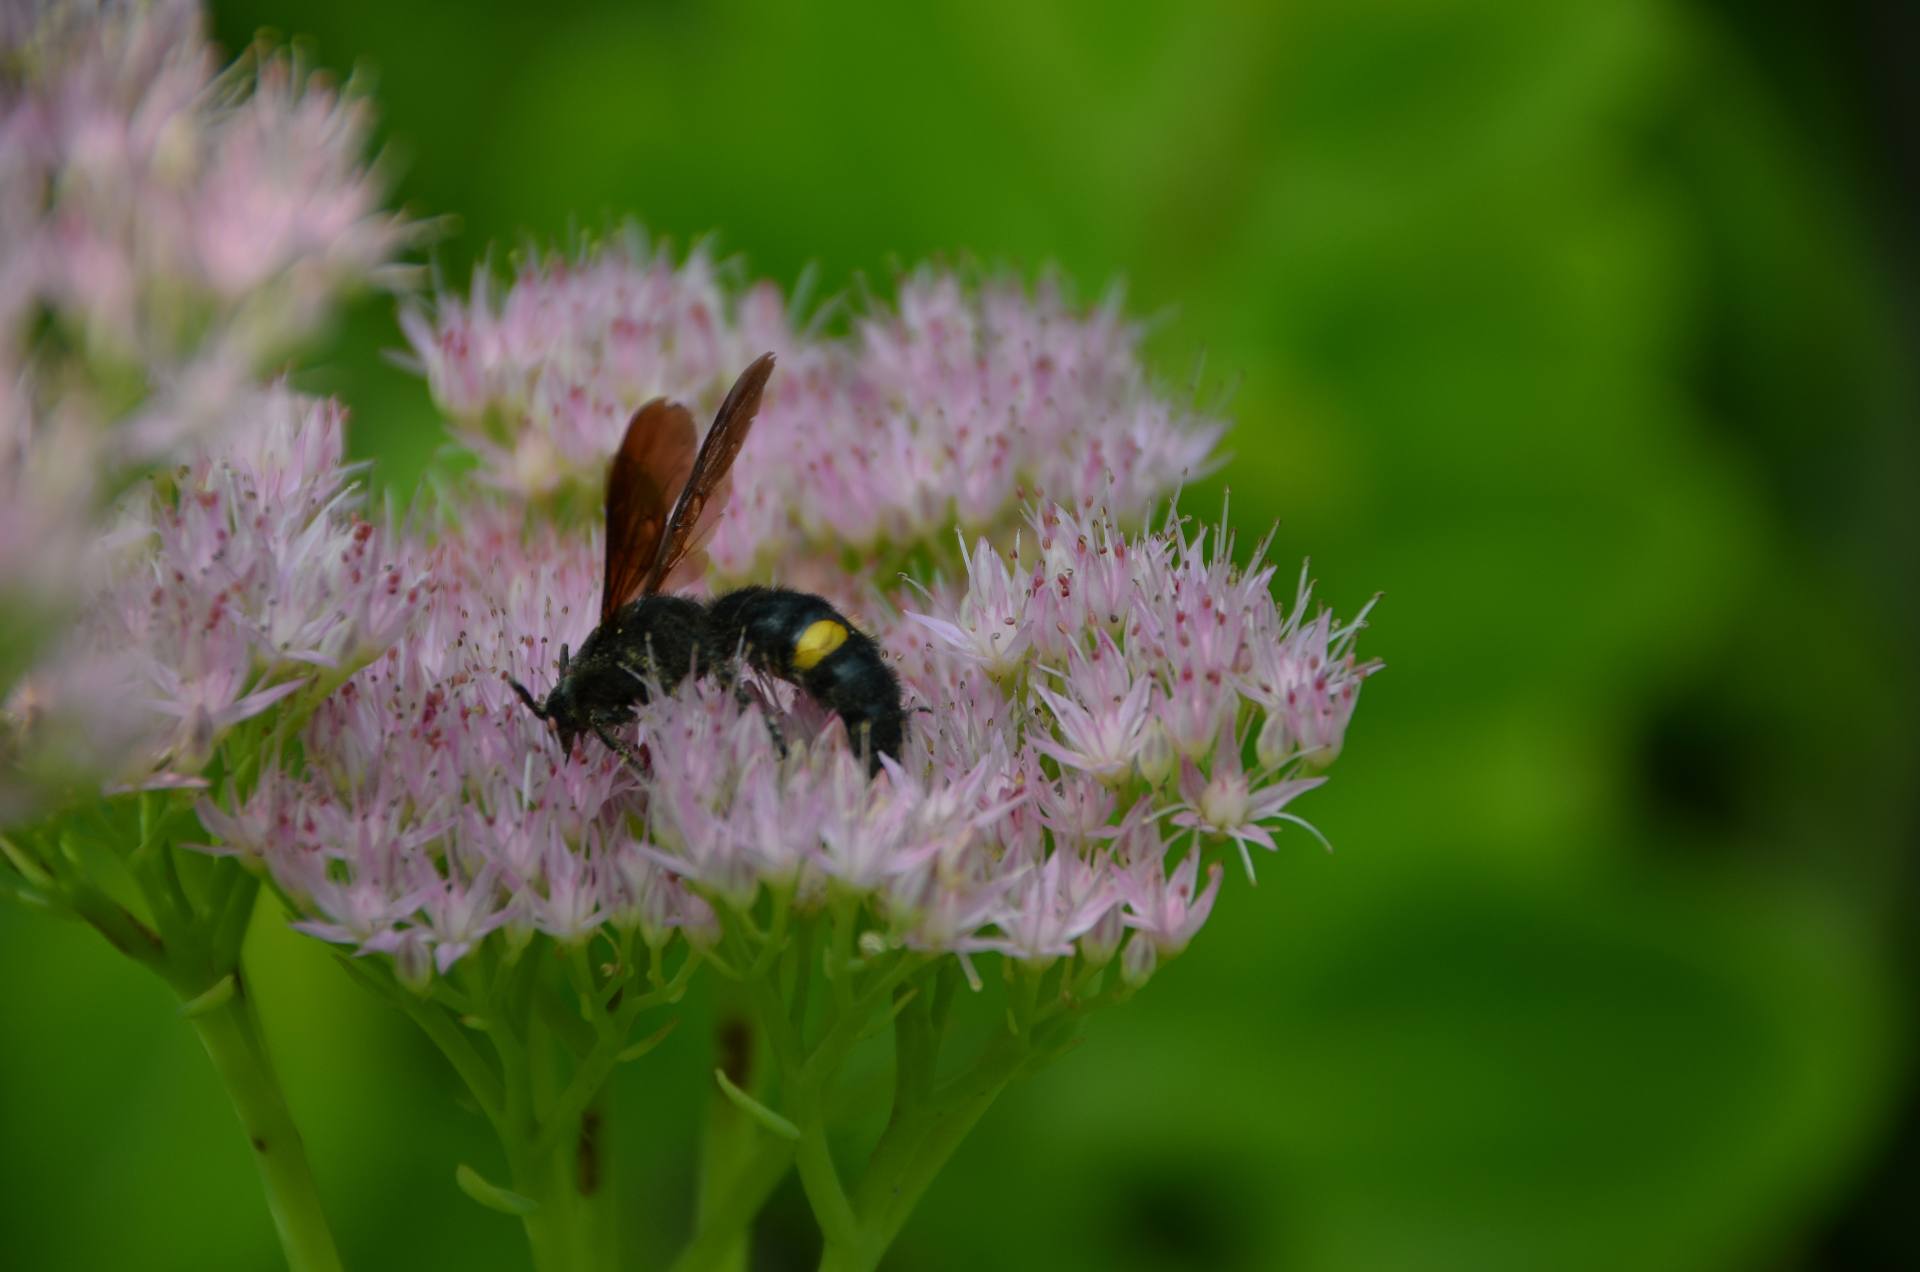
662	498
656	639
792	635
769	628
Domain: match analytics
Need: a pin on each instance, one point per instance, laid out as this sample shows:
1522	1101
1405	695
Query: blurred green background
1578	329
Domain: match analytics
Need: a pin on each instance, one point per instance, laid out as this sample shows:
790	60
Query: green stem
731	1141
231	1036
595	1185
813	1158
720	1241
575	1226
802	960
190	937
554	1121
589	1081
514	1029
916	1146
118	926
467	1060
549	1226
194	950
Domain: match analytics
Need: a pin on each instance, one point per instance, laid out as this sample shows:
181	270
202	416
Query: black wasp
661	506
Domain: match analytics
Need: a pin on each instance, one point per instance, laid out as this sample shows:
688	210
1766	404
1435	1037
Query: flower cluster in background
238	578
166	230
944	409
171	213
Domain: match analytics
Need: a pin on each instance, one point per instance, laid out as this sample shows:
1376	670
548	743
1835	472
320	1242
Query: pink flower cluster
1030	812
435	809
239	577
165	231
171	212
941	410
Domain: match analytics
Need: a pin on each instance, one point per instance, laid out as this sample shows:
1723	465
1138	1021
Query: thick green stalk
231	1036
197	952
595	1185
550	1224
731	1139
720	1241
554	1118
926	1129
888	1199
820	1178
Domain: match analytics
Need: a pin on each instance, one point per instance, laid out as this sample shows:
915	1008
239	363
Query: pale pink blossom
1164	907
988	833
1307	680
950	406
990	627
167	232
1102	714
250	575
1052	904
173	192
1226	803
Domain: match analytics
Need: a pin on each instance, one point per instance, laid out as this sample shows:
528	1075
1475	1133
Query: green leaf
217	995
23	862
649	1042
492	1196
754	1109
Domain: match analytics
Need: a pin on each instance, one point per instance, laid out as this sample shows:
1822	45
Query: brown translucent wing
651	467
716	456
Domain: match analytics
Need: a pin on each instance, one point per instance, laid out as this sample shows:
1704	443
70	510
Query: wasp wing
651	468
686	525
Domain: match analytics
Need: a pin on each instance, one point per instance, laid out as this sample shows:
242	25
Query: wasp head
559	709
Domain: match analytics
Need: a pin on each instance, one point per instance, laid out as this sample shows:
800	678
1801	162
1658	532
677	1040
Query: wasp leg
615	744
747	698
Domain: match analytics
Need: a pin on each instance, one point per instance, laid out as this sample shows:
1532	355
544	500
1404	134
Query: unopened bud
654	907
413	961
1137	961
1271	745
1321	756
699	922
1102	940
1155	759
519	934
196	742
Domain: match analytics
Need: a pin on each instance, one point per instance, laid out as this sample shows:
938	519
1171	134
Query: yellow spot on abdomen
819	640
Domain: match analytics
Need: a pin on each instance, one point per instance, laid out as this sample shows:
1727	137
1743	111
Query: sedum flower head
940	410
539	378
436	814
167	231
243	576
185	212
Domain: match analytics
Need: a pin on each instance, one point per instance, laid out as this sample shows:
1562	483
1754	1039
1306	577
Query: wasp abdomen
802	639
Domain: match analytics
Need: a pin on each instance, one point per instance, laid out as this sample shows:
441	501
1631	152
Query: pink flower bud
1102	940
1137	961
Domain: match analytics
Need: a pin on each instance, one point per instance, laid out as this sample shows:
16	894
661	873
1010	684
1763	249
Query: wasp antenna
527	698
563	658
